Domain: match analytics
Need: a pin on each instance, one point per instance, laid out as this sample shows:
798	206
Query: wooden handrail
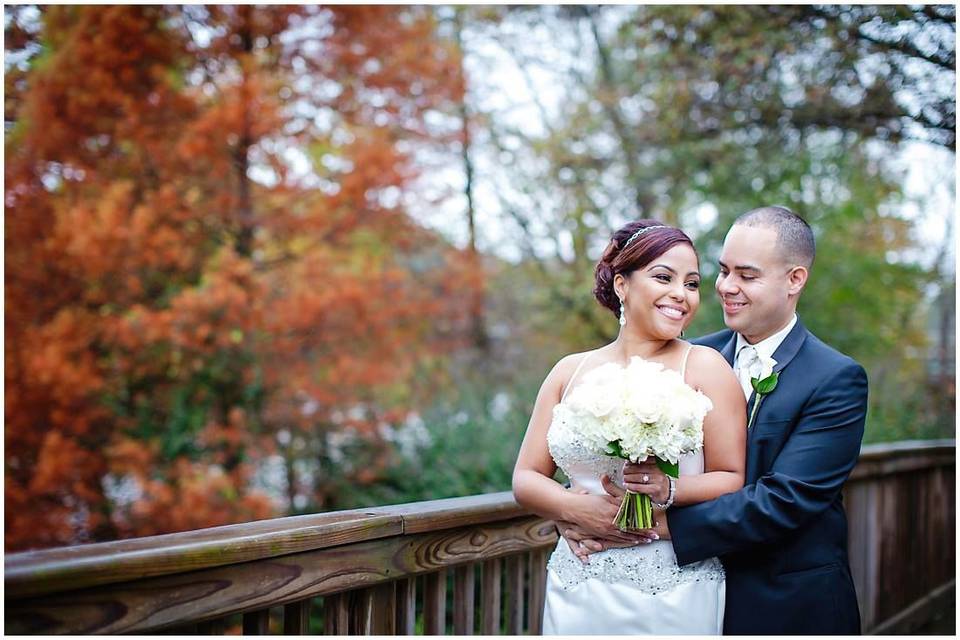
364	563
36	573
888	458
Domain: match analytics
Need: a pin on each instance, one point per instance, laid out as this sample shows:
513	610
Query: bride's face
661	298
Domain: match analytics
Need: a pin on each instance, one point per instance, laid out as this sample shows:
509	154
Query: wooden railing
381	570
396	569
900	502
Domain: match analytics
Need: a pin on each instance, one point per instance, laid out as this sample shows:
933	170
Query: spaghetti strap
574	376
683	366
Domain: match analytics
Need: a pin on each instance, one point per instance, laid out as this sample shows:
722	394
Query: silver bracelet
670	495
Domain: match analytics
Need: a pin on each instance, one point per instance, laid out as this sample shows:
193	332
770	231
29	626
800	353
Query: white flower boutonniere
763	385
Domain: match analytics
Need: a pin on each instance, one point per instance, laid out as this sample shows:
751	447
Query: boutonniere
763	385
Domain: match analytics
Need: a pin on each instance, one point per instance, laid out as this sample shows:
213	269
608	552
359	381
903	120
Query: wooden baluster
256	623
463	590
296	618
383	609
490	579
538	591
215	627
361	612
435	603
406	606
514	594
336	614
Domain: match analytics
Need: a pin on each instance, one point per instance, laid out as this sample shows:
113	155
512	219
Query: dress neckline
583	360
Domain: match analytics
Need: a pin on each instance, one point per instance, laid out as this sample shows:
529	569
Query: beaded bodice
652	567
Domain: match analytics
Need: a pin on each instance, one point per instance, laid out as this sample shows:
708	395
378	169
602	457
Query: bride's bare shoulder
565	368
705	363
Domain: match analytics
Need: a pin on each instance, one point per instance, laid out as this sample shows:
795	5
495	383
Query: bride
649	277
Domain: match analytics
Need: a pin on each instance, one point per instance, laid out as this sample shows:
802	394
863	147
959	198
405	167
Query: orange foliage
166	314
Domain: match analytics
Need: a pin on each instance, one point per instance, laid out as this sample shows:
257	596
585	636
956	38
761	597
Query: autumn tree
208	257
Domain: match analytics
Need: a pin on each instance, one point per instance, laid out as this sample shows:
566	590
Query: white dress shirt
764	350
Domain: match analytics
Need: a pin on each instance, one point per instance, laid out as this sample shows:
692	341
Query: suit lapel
784	354
728	349
790	346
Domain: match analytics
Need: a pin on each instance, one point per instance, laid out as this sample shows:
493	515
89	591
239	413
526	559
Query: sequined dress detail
647	575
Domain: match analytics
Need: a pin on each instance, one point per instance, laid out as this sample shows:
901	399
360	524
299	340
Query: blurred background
275	260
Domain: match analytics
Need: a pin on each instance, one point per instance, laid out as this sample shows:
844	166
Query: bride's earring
623	316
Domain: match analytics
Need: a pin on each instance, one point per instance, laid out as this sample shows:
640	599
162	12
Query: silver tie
748	366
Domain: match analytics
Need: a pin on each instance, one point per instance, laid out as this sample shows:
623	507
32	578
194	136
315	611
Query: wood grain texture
383	609
513	595
901	530
435	603
491	581
55	570
336	619
361	612
158	602
406	606
464	586
876	467
900	502
39	572
537	591
296	618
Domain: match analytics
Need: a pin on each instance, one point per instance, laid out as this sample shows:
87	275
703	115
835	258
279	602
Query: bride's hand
582	545
595	513
646	477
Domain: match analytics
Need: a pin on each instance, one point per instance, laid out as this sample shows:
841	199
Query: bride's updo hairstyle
630	249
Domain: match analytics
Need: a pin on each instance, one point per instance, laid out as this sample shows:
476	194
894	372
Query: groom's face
753	283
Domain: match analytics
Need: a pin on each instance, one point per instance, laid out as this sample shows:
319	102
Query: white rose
598	404
766	366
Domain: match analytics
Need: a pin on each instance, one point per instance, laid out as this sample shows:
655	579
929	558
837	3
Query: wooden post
435	603
384	609
514	596
406	606
296	618
463	593
336	614
490	587
256	623
538	591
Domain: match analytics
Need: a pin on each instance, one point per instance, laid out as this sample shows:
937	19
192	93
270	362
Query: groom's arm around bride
783	537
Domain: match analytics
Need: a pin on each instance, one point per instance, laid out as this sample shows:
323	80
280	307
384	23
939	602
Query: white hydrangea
649	410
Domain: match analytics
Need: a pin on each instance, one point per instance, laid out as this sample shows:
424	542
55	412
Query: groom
783	537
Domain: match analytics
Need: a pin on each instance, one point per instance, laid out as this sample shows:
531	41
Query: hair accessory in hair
640	232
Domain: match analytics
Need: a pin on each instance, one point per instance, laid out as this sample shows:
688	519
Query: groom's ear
797	280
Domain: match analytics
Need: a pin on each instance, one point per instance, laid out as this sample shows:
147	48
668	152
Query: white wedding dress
635	590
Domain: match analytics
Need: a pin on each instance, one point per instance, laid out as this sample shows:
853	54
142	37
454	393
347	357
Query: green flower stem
756	407
635	512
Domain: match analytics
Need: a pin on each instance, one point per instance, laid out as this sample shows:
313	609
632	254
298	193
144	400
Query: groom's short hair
794	235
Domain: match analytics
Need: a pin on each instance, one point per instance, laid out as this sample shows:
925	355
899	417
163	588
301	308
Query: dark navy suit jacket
783	537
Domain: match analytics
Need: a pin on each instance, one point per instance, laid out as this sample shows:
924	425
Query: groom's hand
660	525
582	544
583	541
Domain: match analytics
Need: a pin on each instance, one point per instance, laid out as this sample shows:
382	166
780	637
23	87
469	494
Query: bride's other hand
582	545
646	477
595	513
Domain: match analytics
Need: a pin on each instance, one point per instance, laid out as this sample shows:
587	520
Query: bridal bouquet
634	412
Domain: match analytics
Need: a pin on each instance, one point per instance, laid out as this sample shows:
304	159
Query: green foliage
469	446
